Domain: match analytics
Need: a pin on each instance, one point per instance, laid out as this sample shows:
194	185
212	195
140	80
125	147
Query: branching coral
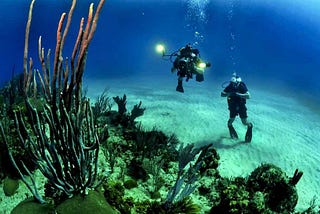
62	139
137	111
102	106
121	102
124	118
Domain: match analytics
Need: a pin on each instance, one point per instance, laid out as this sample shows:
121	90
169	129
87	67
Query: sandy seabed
286	133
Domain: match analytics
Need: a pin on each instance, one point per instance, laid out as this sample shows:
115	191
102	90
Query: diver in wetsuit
187	63
237	94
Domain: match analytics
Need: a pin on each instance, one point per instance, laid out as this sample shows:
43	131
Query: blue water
268	43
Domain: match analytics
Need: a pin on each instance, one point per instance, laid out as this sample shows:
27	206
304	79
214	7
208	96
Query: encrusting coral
279	192
266	190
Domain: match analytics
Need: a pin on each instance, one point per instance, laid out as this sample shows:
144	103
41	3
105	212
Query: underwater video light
160	48
202	65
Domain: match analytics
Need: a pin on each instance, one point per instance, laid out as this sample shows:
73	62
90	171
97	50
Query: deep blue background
276	43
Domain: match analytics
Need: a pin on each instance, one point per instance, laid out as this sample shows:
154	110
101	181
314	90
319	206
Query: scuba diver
187	63
237	94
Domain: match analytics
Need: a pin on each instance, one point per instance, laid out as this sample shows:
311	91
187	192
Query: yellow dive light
160	48
202	65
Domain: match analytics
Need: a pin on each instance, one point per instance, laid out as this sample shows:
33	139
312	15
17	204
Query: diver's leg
179	86
232	131
230	121
248	137
246	122
244	116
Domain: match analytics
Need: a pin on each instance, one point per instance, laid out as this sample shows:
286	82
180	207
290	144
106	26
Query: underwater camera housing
187	67
200	70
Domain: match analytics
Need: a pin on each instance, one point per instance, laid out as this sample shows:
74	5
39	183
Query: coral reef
267	190
279	192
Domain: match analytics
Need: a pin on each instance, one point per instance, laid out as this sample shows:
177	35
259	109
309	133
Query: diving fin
249	134
233	133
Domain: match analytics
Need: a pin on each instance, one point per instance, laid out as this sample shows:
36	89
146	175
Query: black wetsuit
186	68
237	104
